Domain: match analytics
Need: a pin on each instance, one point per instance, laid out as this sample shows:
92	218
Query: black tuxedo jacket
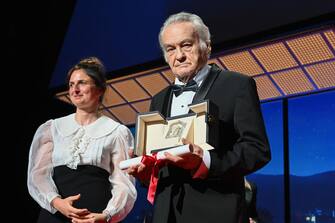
242	149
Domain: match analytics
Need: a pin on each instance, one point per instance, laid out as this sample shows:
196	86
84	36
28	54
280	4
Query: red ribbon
154	165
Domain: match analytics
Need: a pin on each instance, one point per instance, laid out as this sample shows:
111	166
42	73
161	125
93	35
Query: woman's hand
65	207
90	218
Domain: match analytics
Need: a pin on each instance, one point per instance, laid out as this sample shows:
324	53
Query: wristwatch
108	216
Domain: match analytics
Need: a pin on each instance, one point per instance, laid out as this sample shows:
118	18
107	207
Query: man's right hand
190	161
141	172
131	153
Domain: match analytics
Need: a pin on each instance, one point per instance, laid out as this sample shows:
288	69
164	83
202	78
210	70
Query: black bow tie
179	89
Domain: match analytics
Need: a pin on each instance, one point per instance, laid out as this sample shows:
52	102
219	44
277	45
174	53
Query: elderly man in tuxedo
206	186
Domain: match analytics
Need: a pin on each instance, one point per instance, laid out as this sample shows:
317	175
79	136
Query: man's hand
141	172
190	161
252	220
131	153
65	207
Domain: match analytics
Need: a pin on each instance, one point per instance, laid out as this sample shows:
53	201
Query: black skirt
90	182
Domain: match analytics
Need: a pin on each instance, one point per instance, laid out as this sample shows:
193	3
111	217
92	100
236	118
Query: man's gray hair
199	26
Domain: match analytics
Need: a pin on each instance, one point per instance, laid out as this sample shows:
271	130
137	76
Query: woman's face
83	92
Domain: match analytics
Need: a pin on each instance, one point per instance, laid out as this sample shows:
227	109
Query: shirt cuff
202	171
206	158
50	197
108	215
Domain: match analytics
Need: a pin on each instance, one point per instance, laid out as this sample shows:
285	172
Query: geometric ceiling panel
292	81
265	88
323	74
242	62
142	106
124	113
286	66
153	83
330	35
130	90
112	98
107	113
213	60
64	97
274	57
311	48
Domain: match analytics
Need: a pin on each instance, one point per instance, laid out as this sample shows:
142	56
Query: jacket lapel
206	85
167	101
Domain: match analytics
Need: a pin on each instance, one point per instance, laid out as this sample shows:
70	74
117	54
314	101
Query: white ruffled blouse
103	143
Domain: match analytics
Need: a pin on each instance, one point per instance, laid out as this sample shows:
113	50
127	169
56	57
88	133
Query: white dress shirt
180	103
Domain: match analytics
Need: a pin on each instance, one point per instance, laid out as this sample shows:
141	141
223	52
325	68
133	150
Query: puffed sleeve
123	185
40	169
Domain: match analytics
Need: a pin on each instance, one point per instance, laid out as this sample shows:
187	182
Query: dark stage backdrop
311	156
124	33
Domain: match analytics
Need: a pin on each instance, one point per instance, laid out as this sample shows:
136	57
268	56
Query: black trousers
90	182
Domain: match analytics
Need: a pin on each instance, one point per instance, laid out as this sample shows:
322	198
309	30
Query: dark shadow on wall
34	35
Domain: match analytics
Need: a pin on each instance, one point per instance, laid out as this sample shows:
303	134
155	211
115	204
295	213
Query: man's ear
209	48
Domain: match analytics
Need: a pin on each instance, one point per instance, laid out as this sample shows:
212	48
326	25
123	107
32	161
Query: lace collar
103	126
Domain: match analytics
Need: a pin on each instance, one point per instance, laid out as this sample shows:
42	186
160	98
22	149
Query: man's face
183	52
